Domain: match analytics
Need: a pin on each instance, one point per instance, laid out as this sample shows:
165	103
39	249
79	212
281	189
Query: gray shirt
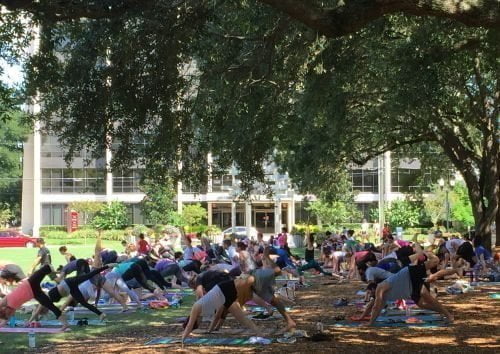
375	274
400	285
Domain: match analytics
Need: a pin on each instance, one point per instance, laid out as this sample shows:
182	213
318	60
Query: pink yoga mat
27	330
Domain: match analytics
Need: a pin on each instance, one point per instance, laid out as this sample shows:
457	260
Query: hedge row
112	235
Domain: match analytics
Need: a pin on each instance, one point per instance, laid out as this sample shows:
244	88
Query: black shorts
417	275
229	290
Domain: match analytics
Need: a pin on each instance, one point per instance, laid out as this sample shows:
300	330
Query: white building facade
49	186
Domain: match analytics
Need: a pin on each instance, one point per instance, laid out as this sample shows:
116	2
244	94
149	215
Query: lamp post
447	185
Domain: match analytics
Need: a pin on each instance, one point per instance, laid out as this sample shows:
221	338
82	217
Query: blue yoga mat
495	296
201	341
428	318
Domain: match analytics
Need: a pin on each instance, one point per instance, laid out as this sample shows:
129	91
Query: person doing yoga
224	297
29	289
70	286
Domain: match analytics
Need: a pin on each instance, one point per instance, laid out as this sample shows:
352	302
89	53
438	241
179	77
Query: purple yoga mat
27	330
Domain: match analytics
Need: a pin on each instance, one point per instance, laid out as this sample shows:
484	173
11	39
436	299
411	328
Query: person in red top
29	289
143	246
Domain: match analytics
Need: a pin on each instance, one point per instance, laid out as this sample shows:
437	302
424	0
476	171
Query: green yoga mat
202	341
495	296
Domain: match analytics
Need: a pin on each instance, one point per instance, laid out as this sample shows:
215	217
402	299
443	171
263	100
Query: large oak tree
317	83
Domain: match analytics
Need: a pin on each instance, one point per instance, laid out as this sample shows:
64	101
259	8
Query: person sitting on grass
27	290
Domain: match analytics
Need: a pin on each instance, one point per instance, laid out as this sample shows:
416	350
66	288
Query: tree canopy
244	81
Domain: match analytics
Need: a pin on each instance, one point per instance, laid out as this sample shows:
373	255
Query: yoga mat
395	312
428	318
262	309
495	296
28	330
397	324
55	323
202	341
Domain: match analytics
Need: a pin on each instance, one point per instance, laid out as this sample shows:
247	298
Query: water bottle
12	321
31	339
71	314
319	327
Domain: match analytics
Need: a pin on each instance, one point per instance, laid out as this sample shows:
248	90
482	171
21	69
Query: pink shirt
20	295
282	238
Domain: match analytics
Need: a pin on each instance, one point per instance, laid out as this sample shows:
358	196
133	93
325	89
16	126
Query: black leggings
153	275
38	294
193	266
135	272
75	292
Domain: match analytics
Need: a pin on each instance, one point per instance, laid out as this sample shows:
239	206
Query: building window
127	181
364	180
222	183
134	213
77	180
54	214
405	180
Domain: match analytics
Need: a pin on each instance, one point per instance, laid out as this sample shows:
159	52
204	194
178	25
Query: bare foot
102	317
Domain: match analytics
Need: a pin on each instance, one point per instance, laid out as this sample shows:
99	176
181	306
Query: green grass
118	325
24	257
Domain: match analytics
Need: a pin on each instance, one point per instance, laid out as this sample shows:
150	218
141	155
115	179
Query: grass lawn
117	325
24	257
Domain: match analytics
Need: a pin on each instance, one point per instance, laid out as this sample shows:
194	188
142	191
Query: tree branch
351	16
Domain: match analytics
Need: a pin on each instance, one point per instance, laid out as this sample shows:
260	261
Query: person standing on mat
27	290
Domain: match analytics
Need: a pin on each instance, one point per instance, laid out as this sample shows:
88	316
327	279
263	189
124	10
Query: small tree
435	205
335	212
194	214
158	202
5	215
112	217
461	209
403	213
88	209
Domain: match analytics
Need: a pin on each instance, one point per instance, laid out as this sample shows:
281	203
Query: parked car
14	238
241	232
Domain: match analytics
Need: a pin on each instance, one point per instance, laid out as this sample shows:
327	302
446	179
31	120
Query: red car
14	238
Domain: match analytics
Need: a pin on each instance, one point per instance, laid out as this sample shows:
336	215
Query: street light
447	186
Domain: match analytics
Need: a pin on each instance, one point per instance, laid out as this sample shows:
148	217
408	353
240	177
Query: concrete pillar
209	182
37	174
381	194
179	197
233	217
277	216
289	217
109	176
248	217
28	191
387	177
209	213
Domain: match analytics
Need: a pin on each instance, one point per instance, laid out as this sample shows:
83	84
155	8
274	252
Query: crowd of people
227	276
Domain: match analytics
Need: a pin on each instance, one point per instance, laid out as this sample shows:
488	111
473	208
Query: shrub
56	234
84	233
113	216
45	229
113	235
